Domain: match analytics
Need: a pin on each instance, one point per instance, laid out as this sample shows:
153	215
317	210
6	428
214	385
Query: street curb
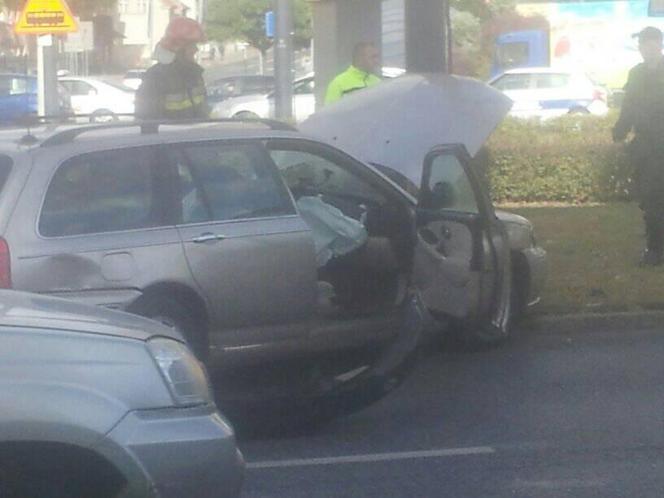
584	322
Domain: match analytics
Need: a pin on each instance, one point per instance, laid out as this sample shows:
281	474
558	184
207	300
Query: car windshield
398	178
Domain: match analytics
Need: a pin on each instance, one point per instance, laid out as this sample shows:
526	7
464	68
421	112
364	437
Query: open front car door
462	262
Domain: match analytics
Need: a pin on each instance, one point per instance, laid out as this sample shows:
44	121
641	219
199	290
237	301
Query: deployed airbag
334	233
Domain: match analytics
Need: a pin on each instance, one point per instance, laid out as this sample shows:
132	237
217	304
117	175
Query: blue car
18	97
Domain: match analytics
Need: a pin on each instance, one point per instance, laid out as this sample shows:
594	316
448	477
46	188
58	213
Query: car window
13	86
513	82
19	86
117	86
512	55
101	192
304	87
398	178
449	187
257	85
551	80
309	172
78	87
220	182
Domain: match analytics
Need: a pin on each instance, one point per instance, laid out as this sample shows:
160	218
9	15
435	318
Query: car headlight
184	375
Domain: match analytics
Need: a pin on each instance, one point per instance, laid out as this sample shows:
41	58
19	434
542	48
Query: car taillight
5	265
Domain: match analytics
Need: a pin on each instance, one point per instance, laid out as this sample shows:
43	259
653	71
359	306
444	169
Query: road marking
562	484
371	458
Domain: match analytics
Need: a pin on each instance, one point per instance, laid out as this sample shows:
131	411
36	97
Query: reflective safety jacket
351	80
172	91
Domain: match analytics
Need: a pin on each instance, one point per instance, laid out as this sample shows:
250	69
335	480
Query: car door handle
207	237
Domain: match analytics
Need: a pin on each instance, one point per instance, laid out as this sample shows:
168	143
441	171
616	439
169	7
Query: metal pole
47	76
426	36
151	15
283	59
202	11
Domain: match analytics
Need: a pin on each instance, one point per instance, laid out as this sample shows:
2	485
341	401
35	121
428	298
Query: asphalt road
549	415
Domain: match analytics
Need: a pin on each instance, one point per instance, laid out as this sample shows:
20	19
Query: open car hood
397	122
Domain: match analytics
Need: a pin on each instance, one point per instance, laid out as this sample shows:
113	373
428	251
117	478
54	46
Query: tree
244	20
483	9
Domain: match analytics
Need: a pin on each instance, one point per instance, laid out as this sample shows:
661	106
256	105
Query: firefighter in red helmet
174	87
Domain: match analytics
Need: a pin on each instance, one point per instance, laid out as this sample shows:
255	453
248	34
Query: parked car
236	86
477	267
192	225
550	92
18	98
133	78
105	404
100	100
262	105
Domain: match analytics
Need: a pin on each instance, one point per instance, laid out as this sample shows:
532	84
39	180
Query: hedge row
568	159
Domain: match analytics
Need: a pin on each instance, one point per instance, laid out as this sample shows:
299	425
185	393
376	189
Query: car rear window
102	192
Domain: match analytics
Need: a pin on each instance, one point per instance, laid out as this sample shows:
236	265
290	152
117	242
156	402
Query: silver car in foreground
97	403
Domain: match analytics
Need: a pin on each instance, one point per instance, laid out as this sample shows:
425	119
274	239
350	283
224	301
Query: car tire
246	115
178	316
103	116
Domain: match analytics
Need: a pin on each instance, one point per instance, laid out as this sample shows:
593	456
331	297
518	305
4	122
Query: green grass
593	255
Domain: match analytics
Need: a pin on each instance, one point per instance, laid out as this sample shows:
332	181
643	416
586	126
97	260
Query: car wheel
103	116
246	115
178	316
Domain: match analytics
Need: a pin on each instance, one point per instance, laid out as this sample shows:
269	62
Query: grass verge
593	254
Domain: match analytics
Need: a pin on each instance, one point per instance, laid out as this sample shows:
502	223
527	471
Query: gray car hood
397	122
21	309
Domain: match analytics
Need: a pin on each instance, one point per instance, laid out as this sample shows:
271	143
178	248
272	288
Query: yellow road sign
43	17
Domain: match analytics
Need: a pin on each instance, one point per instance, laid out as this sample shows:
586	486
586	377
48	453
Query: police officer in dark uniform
643	113
174	87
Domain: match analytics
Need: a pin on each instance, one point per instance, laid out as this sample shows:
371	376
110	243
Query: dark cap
649	33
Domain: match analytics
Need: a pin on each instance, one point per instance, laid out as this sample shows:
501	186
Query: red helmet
182	31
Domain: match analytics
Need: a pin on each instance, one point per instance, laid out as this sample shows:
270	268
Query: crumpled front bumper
176	453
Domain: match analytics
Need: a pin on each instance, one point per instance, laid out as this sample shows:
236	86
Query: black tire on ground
177	315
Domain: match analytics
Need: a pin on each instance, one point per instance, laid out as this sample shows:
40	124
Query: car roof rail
152	126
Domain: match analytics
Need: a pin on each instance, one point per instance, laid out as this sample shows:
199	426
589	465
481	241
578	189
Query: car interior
362	236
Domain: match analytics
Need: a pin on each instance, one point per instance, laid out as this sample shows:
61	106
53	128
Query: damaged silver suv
288	290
